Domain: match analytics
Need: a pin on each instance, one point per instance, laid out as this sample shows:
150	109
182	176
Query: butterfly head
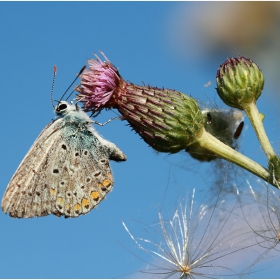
74	111
63	108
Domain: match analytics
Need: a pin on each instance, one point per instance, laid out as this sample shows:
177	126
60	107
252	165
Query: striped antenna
53	81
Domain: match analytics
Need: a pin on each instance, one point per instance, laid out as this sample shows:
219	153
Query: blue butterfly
66	172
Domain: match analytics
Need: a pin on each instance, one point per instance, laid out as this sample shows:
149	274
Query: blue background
149	42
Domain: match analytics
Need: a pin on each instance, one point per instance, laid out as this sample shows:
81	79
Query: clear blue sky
137	38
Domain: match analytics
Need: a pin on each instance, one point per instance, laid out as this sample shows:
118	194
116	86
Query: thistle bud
239	82
167	120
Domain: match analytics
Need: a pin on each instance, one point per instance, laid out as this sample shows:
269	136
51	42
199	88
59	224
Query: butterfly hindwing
82	176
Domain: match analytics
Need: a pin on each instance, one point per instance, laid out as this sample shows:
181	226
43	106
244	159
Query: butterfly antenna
81	71
53	81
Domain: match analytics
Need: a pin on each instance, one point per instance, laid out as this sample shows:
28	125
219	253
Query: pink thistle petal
98	84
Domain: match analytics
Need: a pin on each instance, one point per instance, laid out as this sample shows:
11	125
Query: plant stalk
255	119
214	145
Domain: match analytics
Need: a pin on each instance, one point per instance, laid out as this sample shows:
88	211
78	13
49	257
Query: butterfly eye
61	107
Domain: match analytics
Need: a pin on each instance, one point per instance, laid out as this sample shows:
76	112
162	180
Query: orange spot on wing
94	195
85	202
60	200
53	192
107	183
77	207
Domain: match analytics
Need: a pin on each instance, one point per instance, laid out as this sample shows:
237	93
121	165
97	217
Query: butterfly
66	171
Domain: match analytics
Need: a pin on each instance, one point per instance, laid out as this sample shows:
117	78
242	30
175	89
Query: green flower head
239	82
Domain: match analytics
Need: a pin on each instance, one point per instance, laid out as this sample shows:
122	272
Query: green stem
254	117
214	145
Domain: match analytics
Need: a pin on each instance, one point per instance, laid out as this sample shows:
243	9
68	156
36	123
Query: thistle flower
98	85
167	120
198	243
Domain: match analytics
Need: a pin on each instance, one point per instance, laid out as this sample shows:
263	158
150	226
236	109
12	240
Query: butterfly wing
66	172
21	187
81	177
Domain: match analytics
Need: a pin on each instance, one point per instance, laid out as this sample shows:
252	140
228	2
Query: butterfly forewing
22	187
66	172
